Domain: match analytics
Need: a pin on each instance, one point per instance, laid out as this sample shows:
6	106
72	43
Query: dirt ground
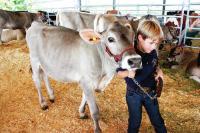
20	111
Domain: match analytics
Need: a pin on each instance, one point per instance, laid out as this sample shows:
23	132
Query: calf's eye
111	39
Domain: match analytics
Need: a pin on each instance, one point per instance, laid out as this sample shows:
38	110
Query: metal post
181	24
48	18
187	21
79	5
163	8
114	4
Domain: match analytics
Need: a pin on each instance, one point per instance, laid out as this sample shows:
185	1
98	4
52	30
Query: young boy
149	34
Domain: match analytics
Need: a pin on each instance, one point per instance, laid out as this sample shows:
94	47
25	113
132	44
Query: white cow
9	35
60	53
17	20
75	20
79	20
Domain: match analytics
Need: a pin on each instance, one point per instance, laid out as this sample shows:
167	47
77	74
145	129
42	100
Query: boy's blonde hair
149	27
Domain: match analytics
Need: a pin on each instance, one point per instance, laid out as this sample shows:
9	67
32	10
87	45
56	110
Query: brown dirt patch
20	110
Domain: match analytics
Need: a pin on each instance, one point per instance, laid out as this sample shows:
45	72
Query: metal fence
159	10
187	25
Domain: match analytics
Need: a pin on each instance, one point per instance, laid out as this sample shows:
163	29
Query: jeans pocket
130	93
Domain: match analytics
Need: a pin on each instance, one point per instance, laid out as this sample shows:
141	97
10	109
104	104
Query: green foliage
15	5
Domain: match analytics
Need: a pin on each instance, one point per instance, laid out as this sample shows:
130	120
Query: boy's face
147	44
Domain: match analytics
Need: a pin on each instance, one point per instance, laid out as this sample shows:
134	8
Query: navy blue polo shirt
145	76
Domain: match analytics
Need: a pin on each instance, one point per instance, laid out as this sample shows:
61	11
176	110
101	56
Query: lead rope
152	98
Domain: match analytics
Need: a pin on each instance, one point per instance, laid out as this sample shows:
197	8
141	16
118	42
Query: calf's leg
37	80
48	87
94	110
195	78
82	107
0	35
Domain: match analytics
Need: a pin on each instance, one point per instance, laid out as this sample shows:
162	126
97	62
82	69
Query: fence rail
138	10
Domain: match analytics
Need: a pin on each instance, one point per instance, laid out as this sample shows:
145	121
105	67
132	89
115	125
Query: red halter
119	56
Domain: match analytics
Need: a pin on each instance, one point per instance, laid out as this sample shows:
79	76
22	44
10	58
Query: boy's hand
159	73
131	74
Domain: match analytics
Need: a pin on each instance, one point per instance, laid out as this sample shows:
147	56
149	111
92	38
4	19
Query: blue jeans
135	100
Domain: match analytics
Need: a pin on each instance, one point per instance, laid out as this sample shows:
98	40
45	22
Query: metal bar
195	3
193	28
193	38
79	5
195	47
155	15
194	16
187	21
130	5
39	2
181	24
97	6
163	8
48	18
58	8
114	4
140	10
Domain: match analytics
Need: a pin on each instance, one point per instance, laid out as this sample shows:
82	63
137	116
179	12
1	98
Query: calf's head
175	57
170	34
116	38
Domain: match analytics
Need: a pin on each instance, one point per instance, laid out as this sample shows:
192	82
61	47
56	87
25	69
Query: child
149	34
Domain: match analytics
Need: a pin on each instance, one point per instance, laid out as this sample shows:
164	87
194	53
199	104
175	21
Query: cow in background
85	11
49	17
9	35
113	12
75	20
17	20
188	60
179	57
194	22
90	61
193	69
79	20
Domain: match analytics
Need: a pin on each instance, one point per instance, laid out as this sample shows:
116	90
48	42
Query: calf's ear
89	36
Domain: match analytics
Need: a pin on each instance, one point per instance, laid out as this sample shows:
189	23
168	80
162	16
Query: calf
90	58
9	35
179	57
17	20
184	59
193	69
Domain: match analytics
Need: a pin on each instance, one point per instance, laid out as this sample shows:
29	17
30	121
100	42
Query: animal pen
19	107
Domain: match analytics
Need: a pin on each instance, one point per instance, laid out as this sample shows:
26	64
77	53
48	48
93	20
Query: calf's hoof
45	107
83	116
52	100
98	131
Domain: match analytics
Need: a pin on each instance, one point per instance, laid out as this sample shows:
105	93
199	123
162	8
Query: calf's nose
135	62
